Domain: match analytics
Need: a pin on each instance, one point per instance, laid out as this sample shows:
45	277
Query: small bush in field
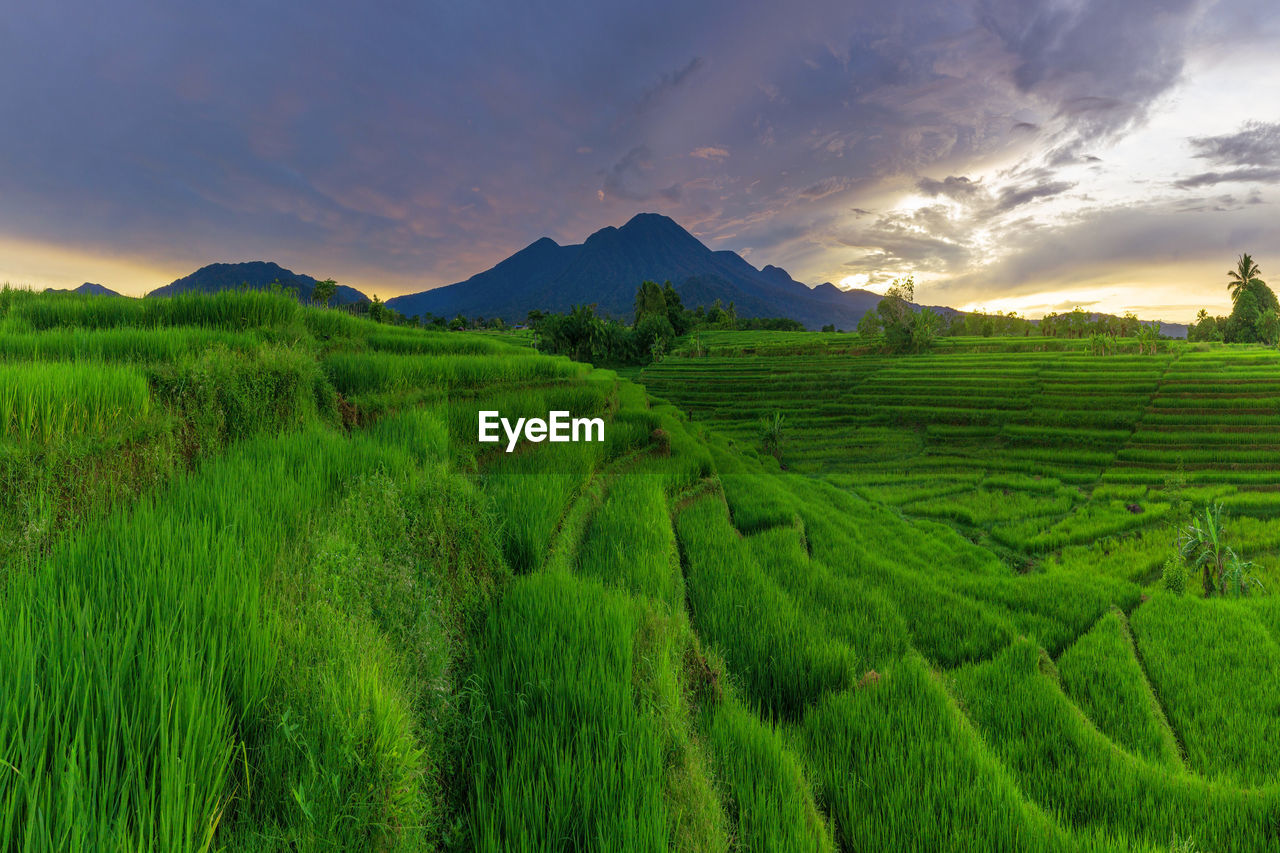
771	434
1174	576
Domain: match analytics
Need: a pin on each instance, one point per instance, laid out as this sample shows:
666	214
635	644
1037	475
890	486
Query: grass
1102	675
1212	665
56	400
263	590
563	751
740	611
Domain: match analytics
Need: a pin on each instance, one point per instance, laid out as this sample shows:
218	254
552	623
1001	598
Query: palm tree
1244	277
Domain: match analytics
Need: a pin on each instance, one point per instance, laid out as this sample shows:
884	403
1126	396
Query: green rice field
263	589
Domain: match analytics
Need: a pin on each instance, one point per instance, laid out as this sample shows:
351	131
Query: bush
771	434
651	333
1174	576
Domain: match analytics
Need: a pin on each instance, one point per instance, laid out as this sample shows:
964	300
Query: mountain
259	275
607	268
88	287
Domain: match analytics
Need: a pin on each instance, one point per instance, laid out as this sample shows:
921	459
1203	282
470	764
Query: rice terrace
552	513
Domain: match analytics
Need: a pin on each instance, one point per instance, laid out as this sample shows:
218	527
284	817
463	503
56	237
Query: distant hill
88	287
259	275
606	269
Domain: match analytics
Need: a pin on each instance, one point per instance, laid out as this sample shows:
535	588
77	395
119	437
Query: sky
1028	155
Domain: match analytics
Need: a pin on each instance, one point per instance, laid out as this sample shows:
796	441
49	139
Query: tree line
659	318
1255	312
896	323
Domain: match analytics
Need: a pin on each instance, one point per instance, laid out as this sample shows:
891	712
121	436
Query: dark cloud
953	186
623	180
670	80
1011	197
825	187
1205	179
1100	65
925	240
1256	144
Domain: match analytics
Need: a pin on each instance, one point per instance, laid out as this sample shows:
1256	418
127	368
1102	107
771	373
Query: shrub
771	434
1174	575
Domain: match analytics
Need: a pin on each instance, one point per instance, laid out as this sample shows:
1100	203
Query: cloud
432	143
1205	179
1011	197
1256	144
668	81
710	152
623	178
955	187
825	187
925	240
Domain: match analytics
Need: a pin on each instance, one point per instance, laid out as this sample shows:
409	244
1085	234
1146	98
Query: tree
1245	277
1250	299
924	329
1205	328
324	291
896	311
677	316
1077	323
650	300
1241	325
377	310
869	325
651	337
1267	327
1148	338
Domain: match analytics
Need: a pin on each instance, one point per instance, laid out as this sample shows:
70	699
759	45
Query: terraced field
1102	700
1034	453
264	590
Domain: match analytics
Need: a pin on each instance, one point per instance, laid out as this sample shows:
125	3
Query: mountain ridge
88	287
259	275
608	266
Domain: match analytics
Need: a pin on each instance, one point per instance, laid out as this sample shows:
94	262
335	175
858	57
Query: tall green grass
1213	666
1070	769
52	400
900	769
1101	674
782	660
564	751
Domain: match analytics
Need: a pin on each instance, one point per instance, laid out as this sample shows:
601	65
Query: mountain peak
258	275
608	266
95	289
650	220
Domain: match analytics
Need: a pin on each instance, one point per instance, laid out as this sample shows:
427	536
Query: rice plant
45	401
